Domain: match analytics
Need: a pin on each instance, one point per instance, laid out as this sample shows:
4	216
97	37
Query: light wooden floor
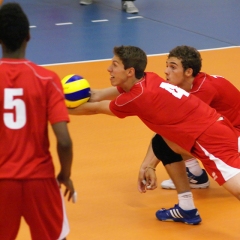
107	155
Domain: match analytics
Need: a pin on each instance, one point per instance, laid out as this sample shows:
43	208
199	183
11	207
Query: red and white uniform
30	97
220	94
184	119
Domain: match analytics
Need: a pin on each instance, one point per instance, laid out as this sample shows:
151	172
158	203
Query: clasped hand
147	179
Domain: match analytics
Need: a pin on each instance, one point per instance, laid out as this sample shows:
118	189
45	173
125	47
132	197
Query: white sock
193	166
185	201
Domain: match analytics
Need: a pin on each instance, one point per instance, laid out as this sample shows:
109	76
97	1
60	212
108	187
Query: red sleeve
114	109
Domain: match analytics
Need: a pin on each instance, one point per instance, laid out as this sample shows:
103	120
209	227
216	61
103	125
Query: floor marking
134	17
60	24
102	20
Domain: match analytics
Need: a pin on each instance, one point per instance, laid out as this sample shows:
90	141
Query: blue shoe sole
195	221
192	222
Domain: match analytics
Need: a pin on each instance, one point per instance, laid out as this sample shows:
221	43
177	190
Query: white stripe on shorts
239	144
226	170
65	224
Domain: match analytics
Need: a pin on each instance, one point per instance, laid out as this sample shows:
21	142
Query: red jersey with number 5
166	109
30	97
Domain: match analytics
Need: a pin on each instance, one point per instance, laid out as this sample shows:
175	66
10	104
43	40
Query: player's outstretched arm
103	94
64	149
92	108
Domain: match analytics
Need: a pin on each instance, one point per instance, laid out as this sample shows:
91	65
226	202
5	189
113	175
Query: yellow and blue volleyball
76	90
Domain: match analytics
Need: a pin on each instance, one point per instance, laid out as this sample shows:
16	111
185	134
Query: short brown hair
132	57
189	56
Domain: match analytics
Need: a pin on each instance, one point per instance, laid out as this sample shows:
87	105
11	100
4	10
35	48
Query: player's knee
232	185
163	152
238	196
236	193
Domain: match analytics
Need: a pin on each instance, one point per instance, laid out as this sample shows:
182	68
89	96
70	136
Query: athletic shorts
218	150
39	202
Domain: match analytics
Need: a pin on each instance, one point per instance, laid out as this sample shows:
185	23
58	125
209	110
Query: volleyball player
31	96
179	117
183	67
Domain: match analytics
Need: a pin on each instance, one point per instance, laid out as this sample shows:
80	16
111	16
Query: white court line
66	23
134	17
200	50
101	20
150	55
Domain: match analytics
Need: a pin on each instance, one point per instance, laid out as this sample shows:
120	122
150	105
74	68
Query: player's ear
131	72
189	72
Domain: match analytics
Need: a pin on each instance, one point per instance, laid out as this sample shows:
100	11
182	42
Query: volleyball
76	90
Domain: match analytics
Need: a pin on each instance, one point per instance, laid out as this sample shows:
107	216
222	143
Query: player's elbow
65	144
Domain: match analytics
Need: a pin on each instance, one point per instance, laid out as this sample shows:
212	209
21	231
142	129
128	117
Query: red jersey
166	109
30	97
220	94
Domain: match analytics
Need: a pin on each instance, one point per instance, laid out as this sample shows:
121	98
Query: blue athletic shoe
176	214
198	181
195	182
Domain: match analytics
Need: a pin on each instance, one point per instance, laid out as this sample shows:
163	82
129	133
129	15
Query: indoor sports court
73	39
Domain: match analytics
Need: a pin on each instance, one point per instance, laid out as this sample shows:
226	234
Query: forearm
150	159
84	109
147	176
92	108
64	176
65	158
103	94
147	179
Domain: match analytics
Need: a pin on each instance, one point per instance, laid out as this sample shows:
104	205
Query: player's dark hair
189	57
14	26
132	57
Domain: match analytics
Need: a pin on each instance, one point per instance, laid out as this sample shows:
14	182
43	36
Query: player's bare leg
177	172
233	186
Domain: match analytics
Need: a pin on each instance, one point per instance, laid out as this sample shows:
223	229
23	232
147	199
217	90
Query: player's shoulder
218	81
42	69
205	83
42	72
202	83
153	79
153	75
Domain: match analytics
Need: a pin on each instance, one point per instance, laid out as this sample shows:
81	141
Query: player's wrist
62	176
150	168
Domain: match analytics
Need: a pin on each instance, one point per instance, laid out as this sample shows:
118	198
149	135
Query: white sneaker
168	184
195	182
129	7
86	2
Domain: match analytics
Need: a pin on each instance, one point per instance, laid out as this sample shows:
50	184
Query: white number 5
11	120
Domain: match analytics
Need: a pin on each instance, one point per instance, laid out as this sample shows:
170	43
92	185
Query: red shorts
39	201
218	149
